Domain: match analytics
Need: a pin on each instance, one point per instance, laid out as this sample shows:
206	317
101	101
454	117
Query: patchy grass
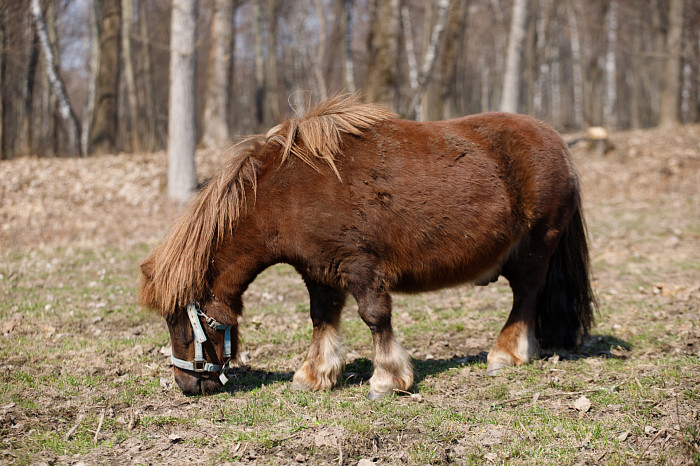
82	352
84	373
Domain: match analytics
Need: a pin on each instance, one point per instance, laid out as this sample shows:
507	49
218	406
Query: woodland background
622	64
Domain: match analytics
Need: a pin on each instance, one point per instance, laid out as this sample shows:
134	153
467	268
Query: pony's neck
236	267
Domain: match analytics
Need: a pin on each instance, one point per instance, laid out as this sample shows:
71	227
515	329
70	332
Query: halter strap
199	364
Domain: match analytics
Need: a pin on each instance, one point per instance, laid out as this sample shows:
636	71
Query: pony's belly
431	279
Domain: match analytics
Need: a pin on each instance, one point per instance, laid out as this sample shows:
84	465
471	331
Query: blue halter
199	364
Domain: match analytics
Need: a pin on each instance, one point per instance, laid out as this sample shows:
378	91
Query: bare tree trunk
216	95
31	129
635	111
594	78
349	63
411	54
693	111
382	47
609	116
511	79
181	105
266	87
446	105
90	93
53	127
321	54
428	60
103	131
272	107
130	80
669	115
577	67
233	116
148	121
16	43
66	112
532	90
2	79
259	70
440	100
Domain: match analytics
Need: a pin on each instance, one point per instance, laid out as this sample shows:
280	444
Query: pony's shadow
358	371
604	346
244	378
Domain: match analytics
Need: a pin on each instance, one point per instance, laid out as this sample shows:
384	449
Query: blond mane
177	272
318	134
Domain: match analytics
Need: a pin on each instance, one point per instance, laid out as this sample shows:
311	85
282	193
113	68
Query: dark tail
566	304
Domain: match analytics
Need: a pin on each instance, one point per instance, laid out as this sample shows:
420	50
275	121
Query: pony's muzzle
192	383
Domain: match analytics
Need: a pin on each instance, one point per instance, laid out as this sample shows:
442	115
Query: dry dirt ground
84	375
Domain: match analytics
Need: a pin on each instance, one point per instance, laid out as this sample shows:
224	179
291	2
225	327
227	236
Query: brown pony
361	202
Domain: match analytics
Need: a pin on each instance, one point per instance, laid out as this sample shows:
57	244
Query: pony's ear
147	268
147	292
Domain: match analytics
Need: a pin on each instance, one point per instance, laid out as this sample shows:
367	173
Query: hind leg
517	343
325	358
392	364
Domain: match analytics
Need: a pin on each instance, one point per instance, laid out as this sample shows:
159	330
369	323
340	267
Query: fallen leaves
620	352
492	436
582	405
63	201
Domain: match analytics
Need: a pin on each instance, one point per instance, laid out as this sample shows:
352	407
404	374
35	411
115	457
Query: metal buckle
198	366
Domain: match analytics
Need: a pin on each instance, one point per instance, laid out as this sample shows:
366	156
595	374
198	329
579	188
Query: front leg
392	364
325	358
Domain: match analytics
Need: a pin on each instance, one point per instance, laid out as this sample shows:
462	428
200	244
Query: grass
75	344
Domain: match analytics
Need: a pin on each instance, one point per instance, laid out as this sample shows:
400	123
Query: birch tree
94	63
66	113
272	92
413	108
129	76
576	67
259	61
447	101
348	60
511	78
321	52
181	106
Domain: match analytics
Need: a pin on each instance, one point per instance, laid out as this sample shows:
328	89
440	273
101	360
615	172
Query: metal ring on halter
199	364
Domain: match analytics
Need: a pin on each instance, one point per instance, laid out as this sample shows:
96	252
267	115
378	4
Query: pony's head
203	336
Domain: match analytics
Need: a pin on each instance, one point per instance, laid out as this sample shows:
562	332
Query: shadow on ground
359	370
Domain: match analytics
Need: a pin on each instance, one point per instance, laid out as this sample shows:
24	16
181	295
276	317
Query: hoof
300	387
372	395
494	368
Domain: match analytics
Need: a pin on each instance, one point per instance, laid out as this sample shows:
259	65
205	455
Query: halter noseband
199	364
